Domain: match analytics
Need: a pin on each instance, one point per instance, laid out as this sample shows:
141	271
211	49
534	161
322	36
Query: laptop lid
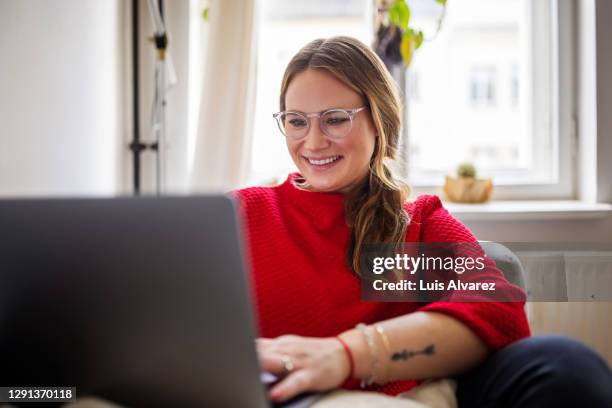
142	301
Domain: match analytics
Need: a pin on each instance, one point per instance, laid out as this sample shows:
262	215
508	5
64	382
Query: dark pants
542	371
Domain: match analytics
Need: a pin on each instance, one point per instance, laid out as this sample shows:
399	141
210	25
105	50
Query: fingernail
274	395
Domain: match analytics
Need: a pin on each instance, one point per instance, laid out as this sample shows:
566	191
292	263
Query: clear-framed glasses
334	123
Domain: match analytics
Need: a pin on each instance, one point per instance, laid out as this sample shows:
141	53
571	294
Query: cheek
362	147
369	147
290	147
367	152
366	139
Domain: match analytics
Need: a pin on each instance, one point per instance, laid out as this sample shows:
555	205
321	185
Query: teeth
324	161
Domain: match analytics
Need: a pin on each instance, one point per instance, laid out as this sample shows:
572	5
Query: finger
280	346
280	343
273	363
262	343
288	339
294	384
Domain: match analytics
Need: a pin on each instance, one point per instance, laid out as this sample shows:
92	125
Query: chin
326	184
325	188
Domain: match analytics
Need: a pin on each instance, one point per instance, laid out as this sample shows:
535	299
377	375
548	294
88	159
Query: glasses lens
336	123
293	125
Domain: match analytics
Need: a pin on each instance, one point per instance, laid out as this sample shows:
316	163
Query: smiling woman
340	115
326	76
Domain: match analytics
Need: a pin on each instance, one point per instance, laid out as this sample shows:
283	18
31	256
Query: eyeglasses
334	123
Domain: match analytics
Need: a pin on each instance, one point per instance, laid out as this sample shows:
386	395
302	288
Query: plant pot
468	189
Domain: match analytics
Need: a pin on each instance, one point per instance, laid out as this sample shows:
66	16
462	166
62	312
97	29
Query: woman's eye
297	123
336	121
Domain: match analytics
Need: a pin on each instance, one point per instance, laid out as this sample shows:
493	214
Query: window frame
559	92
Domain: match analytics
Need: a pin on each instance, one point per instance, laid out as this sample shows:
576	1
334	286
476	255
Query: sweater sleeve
496	323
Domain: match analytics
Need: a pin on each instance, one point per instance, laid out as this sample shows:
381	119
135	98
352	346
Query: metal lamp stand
158	114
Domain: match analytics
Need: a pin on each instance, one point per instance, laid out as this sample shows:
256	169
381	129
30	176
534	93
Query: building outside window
483	82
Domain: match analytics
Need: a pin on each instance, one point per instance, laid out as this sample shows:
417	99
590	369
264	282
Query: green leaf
205	13
419	39
399	14
442	2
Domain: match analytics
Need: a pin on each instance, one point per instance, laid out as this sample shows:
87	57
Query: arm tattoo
405	354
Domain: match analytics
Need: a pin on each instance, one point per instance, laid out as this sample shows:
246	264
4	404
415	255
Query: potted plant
466	188
396	39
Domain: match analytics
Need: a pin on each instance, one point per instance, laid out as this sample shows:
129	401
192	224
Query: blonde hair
375	208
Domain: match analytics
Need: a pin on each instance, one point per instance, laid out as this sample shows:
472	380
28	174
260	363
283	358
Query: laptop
140	301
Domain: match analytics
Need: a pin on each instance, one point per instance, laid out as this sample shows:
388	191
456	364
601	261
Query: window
489	94
489	88
412	85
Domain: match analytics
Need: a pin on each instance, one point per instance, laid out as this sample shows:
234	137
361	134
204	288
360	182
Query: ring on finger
287	363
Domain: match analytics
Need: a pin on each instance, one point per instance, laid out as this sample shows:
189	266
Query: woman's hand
305	363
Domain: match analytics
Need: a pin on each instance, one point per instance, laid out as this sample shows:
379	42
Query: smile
323	162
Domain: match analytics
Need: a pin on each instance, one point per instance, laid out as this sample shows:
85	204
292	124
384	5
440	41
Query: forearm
416	346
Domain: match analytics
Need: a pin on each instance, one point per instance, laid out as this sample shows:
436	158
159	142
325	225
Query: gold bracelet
374	358
385	340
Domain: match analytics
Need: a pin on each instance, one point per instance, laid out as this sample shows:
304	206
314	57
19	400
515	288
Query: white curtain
224	131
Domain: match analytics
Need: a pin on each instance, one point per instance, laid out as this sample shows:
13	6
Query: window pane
477	99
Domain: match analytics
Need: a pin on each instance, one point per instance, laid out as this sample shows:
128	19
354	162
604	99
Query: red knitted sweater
296	241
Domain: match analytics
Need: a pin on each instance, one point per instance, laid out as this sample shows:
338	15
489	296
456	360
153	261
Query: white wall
61	99
578	230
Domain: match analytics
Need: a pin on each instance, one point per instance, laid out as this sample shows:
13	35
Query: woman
340	115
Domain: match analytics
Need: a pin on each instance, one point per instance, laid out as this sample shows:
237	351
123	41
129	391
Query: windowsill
529	210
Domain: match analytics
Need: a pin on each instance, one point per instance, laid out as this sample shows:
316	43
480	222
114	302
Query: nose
315	139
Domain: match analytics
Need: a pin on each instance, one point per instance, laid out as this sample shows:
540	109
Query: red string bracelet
349	354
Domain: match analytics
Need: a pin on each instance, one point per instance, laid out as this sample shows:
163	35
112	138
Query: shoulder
431	222
424	207
262	195
257	207
254	193
255	197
